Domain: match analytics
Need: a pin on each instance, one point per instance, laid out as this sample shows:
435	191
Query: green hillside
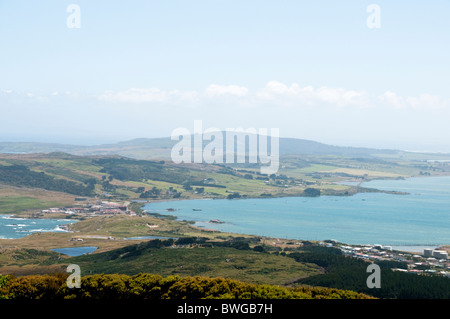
126	179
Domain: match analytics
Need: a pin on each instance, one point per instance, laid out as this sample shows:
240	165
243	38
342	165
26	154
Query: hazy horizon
91	142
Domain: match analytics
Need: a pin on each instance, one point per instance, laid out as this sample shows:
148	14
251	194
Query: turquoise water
11	227
421	218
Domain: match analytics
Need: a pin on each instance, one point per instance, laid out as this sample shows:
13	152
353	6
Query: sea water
12	227
420	218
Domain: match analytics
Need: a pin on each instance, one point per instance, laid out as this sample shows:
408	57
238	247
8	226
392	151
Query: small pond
76	251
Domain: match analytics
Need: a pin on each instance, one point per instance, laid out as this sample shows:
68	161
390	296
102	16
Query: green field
15	204
20	204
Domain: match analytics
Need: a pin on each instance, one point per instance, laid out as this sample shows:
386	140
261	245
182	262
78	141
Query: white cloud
274	93
309	95
423	101
156	95
330	113
342	97
427	101
392	99
189	96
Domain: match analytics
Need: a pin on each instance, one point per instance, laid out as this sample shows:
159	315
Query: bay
420	218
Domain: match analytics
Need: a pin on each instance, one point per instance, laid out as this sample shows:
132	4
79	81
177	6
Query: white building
428	252
440	254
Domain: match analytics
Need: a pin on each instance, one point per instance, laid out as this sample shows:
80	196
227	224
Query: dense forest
350	273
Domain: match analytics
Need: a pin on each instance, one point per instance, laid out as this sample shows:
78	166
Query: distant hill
160	148
294	146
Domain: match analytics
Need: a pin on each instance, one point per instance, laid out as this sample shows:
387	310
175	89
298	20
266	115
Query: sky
352	72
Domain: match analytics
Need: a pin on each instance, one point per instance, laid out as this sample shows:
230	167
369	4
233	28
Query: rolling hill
160	148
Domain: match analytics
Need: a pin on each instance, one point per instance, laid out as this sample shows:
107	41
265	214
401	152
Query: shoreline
357	189
415	248
407	248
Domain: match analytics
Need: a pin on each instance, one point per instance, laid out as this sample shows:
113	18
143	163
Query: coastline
353	190
142	203
416	247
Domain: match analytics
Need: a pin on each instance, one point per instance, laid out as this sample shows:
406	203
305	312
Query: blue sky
313	69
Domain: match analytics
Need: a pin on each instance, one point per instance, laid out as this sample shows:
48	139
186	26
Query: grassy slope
15	200
247	266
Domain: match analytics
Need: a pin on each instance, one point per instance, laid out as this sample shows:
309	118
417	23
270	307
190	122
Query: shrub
150	286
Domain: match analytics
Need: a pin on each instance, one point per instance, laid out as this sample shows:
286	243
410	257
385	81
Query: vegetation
150	286
189	256
18	204
312	192
350	273
19	175
251	261
120	178
190	264
125	169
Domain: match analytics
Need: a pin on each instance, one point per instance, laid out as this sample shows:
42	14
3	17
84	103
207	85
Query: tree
200	190
258	248
313	192
233	195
